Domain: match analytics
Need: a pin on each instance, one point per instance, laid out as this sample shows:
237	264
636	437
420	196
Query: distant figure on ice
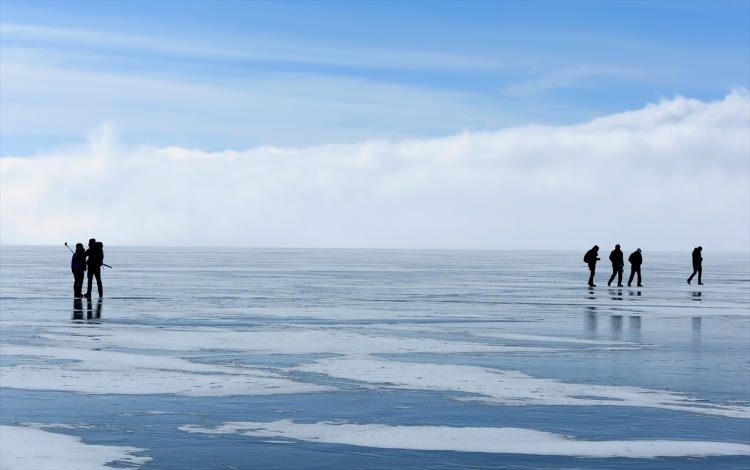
590	258
635	259
94	261
615	256
78	267
697	265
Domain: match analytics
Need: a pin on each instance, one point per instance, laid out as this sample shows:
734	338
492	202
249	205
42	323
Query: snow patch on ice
23	448
58	426
490	330
287	340
108	372
550	339
504	387
470	439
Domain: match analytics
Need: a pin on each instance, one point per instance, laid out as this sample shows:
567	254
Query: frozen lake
282	358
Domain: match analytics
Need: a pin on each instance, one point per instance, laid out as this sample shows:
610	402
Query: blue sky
529	125
240	74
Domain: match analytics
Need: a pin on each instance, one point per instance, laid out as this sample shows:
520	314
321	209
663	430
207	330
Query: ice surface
23	448
386	349
471	439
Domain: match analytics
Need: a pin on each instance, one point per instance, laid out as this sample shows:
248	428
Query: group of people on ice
635	259
90	260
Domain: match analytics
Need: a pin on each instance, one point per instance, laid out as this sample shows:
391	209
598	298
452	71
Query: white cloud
668	176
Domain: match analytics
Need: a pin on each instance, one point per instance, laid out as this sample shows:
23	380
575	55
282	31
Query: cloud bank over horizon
670	175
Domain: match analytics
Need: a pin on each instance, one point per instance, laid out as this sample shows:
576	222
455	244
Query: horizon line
354	248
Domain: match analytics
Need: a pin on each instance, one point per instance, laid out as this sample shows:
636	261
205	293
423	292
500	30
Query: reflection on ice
91	313
616	294
616	327
591	320
634	328
696	338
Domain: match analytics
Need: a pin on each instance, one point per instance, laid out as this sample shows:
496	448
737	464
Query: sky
383	124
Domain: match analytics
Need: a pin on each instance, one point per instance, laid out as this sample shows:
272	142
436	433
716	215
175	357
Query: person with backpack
697	265
94	261
635	259
78	267
590	258
615	256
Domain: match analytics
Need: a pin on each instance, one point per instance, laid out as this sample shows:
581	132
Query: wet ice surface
201	358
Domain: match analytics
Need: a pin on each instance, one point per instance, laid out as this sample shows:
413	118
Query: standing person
78	267
590	258
95	258
635	259
697	265
615	256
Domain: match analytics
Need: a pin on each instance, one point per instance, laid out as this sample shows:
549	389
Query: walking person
697	265
78	267
615	256
590	258
635	259
94	261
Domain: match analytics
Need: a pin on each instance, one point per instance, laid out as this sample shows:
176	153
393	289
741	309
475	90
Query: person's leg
632	273
90	278
639	277
78	284
700	273
619	277
591	276
611	278
98	275
695	270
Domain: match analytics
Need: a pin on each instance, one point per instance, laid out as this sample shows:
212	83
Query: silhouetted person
615	256
78	267
697	265
635	259
590	258
95	258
